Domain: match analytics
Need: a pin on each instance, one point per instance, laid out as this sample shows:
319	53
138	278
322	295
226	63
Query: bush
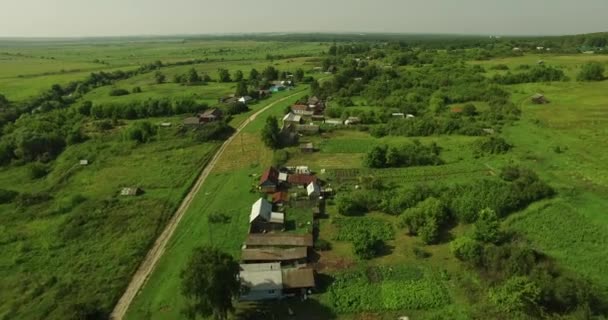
367	244
591	71
28	199
217	130
136	90
425	219
350	228
414	154
7	196
322	245
142	131
493	145
218	217
118	92
420	253
38	170
467	250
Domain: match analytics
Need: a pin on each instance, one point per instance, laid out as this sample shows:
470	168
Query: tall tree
254	74
238	76
223	75
159	77
270	73
487	226
209	283
270	133
241	89
299	75
193	76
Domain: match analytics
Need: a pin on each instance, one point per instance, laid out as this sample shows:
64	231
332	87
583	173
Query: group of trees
407	155
591	71
539	73
141	109
271	133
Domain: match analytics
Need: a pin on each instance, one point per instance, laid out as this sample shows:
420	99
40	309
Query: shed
210	115
292	118
84	162
263	281
131	191
302	109
307	147
298	278
539	98
269	180
313	190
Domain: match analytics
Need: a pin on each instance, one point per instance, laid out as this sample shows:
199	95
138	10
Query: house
301	179
131	191
288	135
192	121
307	148
352	120
260	240
292	118
302	110
335	122
280	197
283	177
245	99
539	99
269	181
268	281
313	190
210	115
398	115
307	129
263	281
263	219
281	255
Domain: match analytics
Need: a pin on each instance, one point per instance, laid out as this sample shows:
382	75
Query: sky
84	18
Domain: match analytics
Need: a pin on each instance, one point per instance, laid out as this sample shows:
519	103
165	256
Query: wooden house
269	181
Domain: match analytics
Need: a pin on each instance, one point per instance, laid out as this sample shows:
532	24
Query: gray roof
274	254
263	208
262	276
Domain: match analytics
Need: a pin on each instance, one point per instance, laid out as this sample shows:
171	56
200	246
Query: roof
279	239
333	121
299	107
294	278
192	120
130	191
214	112
456	110
262	276
292	117
280	197
307	146
313	188
271	175
313	100
274	254
263	208
246	98
282	176
303	179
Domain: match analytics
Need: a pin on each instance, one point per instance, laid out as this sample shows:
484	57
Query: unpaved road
157	250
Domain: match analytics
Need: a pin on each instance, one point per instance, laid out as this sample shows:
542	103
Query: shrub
322	245
350	228
467	249
218	130
591	71
28	199
7	196
414	154
367	244
142	131
425	219
420	253
38	170
493	145
118	92
136	90
218	217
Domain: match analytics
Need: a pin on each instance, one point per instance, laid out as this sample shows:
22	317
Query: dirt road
157	250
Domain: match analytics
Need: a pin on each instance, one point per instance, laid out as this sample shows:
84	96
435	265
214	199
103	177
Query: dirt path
157	250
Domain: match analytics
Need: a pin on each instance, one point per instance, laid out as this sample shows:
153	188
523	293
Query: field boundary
156	251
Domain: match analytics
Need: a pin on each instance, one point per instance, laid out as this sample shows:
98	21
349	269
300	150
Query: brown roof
456	110
302	179
274	254
279	239
300	107
280	197
271	175
294	278
211	113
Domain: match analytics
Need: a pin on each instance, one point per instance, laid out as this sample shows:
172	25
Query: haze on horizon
78	18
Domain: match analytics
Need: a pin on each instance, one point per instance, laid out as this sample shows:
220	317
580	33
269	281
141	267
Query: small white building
398	115
352	120
261	211
335	122
302	170
84	162
313	190
245	99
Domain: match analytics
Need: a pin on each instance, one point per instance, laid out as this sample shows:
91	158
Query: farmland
72	243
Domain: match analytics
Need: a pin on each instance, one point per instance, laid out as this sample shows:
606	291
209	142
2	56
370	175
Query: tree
241	89
425	219
209	283
367	245
315	88
299	75
223	75
192	77
159	77
518	294
591	71
253	74
469	110
270	133
270	73
238	76
376	158
487	226
3	101
467	249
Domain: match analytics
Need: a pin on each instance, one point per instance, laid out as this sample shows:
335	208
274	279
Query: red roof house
301	179
269	180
